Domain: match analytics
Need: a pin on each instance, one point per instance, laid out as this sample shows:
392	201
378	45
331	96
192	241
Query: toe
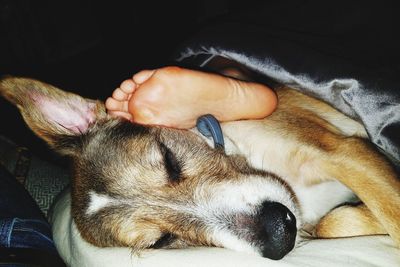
121	114
142	76
128	86
120	95
115	105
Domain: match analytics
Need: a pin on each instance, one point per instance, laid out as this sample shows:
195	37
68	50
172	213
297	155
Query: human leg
25	234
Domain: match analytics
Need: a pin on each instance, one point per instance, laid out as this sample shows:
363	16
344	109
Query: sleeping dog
155	187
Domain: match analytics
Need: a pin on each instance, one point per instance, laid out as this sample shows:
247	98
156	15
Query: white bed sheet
378	251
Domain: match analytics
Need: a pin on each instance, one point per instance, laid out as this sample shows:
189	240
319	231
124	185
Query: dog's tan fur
122	196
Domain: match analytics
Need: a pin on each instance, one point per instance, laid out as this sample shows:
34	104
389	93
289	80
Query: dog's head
144	187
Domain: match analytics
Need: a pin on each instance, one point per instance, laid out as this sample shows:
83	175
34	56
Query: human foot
176	97
117	105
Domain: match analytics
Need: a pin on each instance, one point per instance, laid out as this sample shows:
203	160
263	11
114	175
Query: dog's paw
347	221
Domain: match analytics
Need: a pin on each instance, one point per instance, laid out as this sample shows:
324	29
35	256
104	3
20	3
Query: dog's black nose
278	230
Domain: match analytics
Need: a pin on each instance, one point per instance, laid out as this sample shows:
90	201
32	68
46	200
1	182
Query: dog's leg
365	171
347	221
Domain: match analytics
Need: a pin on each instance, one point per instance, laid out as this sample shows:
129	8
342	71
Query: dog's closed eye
171	164
164	241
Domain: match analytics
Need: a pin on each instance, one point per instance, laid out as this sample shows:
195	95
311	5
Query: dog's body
276	145
147	187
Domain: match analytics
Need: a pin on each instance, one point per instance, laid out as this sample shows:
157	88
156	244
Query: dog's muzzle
275	226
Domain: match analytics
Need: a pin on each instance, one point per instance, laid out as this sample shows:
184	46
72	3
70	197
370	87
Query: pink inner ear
74	114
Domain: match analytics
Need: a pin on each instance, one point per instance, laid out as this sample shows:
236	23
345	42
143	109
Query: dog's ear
54	115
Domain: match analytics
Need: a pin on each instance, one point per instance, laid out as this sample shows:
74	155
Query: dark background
89	47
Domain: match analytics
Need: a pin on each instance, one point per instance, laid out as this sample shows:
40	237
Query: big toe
142	76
